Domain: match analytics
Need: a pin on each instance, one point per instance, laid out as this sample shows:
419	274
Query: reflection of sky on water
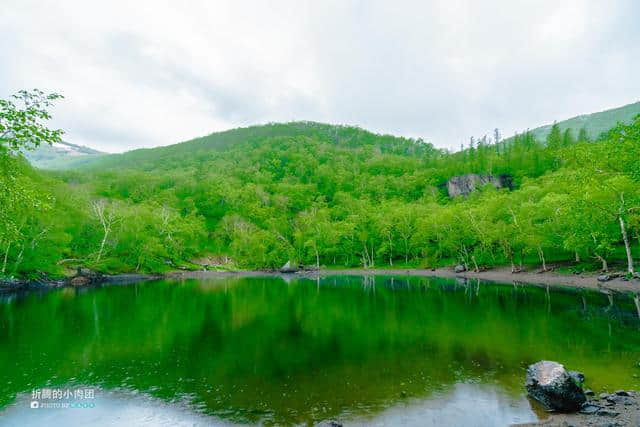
465	405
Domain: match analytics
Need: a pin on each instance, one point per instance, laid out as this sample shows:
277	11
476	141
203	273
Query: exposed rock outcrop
463	185
551	385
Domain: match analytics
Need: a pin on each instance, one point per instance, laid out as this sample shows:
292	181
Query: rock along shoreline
558	398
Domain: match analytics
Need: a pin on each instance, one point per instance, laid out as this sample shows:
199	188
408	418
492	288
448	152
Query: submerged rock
551	385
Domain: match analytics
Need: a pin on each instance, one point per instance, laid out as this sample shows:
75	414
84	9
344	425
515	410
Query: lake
358	350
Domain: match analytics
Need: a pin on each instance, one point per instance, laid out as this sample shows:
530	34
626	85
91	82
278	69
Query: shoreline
586	281
498	275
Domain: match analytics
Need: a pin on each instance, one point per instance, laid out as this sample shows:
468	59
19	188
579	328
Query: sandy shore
502	275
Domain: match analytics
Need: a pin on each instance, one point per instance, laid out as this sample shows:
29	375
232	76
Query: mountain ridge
59	159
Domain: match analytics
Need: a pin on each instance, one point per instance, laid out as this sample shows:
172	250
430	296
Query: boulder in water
551	385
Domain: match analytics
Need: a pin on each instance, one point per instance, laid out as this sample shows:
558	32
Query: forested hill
255	137
320	194
595	123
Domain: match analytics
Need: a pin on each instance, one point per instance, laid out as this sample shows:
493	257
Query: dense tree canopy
328	195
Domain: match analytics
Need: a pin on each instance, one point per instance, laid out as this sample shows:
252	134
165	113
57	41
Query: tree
554	139
22	121
611	170
107	217
567	138
21	127
583	136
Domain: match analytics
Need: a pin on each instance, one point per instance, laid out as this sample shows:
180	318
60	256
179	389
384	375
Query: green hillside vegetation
594	124
327	195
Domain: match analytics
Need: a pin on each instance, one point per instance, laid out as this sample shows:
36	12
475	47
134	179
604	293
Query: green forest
319	195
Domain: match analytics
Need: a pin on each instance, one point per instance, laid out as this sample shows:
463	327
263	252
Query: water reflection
358	349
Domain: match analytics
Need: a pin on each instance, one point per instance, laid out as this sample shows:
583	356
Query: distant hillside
594	123
62	155
250	138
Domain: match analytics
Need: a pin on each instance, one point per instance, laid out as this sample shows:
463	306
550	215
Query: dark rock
619	399
80	281
289	268
330	423
550	384
622	393
578	377
85	272
603	395
589	392
459	268
590	409
604	278
608	413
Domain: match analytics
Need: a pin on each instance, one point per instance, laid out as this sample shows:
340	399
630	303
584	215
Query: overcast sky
141	74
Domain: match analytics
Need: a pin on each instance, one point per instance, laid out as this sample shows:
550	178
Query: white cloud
149	73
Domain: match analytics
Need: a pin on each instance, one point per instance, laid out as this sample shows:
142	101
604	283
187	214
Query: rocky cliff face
465	184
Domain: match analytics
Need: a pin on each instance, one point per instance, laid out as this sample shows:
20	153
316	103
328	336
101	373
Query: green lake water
359	350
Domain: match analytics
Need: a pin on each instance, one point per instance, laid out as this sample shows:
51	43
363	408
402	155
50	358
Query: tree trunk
390	250
18	259
605	267
365	256
521	259
577	257
541	255
473	258
509	253
406	251
627	247
104	239
6	255
465	255
317	257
